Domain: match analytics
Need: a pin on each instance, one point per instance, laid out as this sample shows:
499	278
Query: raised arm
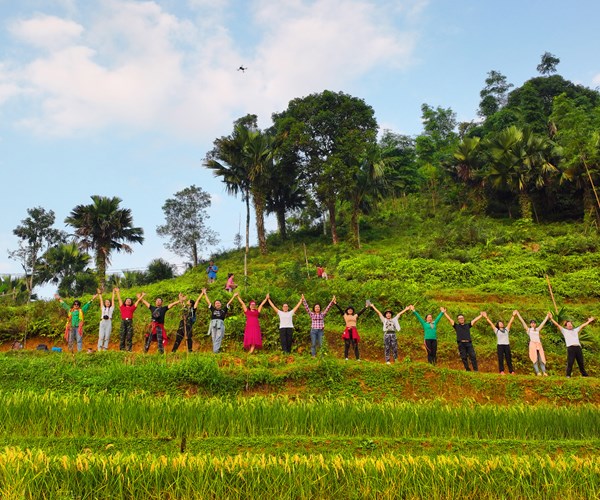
231	300
273	305
544	322
244	308
264	302
206	297
407	308
510	321
443	309
118	290
362	311
297	306
556	324
484	314
198	299
140	298
521	319
112	300
305	304
376	310
179	300
589	320
475	320
333	301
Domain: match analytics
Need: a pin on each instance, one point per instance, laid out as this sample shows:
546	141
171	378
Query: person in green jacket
74	326
430	328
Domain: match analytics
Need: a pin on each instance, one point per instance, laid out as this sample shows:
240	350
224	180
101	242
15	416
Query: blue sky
124	98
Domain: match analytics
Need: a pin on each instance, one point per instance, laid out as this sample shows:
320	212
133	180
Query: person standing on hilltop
286	324
211	272
106	314
75	320
503	345
536	350
430	333
188	318
252	334
218	313
390	327
350	335
157	326
317	325
127	309
463	338
574	351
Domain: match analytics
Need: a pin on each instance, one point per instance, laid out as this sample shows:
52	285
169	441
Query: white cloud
134	64
596	79
46	32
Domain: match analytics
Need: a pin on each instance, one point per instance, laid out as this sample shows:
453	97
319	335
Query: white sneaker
388	363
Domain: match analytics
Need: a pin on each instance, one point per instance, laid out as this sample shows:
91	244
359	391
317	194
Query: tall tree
103	227
36	235
494	95
548	64
577	125
185	224
327	132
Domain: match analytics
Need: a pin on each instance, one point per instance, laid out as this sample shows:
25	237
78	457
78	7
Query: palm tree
468	170
104	227
227	160
520	162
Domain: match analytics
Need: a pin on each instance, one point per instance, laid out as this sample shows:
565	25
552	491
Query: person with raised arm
286	324
317	324
463	338
430	333
157	326
127	309
574	351
188	318
75	320
252	335
536	350
106	314
218	313
503	344
391	325
350	335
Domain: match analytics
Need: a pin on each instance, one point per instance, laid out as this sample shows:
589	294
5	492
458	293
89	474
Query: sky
125	98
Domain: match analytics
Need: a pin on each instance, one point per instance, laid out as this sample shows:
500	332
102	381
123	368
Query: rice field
90	444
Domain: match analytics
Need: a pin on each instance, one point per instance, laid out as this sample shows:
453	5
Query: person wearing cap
350	335
75	320
391	325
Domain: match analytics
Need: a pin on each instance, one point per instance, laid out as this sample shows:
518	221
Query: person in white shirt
503	345
106	314
574	351
286	324
391	325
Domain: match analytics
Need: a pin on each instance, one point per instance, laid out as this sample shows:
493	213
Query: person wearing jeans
317	325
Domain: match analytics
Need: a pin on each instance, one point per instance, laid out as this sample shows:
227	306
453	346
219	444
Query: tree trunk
525	206
355	223
101	268
281	223
195	254
259	210
591	215
247	221
332	222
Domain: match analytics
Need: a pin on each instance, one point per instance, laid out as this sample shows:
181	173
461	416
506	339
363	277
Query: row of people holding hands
253	337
